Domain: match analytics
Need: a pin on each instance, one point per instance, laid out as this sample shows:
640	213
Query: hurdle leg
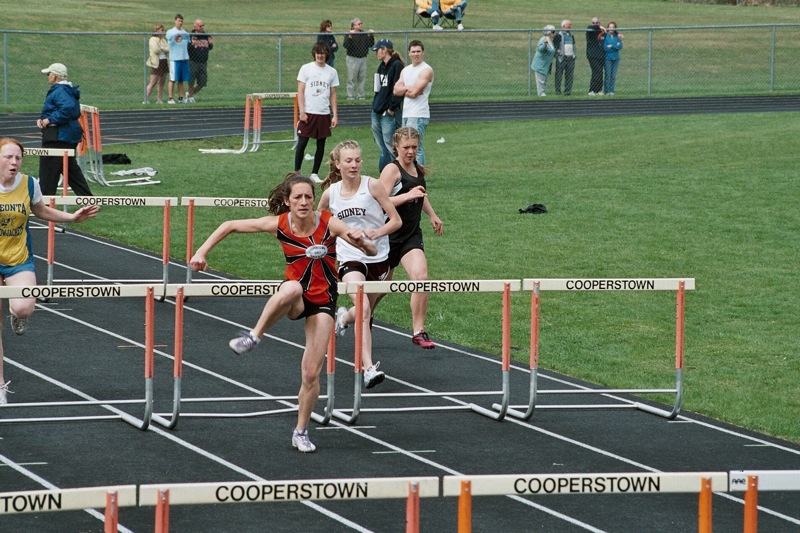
704	506
177	370
162	512
465	508
189	240
499	412
359	373
412	508
751	505
111	522
257	114
165	249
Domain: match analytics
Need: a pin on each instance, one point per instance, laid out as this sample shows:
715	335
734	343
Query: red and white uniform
311	260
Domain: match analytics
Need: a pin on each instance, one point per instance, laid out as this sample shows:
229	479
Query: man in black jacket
596	55
386	106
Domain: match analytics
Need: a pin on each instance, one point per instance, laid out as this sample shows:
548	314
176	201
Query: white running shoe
301	441
437	27
244	342
373	376
341	327
315	178
171	101
4	392
460	26
19	325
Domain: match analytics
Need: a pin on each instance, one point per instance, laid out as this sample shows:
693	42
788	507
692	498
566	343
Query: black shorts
399	249
316	127
370	271
310	308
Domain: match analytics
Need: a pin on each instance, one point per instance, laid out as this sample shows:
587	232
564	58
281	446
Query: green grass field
707	196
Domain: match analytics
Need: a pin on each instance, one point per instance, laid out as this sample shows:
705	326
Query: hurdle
90	152
465	487
110	498
253	105
680	285
233	289
190	202
753	481
305	490
112	201
503	286
94	291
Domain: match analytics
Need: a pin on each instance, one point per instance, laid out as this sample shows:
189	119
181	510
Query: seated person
452	9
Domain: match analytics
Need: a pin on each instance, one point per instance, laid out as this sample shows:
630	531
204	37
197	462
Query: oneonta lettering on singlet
317	251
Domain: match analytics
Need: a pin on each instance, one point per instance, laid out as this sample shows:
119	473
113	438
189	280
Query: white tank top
358	211
416	107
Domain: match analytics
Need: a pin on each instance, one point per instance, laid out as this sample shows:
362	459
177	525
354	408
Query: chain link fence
469	65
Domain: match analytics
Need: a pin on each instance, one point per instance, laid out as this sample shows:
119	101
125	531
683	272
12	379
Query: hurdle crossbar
190	202
253	118
576	484
164	202
65	154
263	288
679	285
503	286
94	291
110	498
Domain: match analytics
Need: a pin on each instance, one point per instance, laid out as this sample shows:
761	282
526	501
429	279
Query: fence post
772	62
649	61
280	63
530	59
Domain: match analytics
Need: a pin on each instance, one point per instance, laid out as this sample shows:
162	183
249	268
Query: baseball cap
56	68
383	43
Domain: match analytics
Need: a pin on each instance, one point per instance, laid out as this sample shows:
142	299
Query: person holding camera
543	59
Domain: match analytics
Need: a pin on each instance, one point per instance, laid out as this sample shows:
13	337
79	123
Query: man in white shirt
415	85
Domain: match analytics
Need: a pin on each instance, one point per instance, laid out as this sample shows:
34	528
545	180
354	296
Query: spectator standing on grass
20	197
596	55
564	42
386	106
543	59
308	239
179	72
326	36
316	103
404	180
361	202
60	128
200	45
158	62
414	86
357	43
612	44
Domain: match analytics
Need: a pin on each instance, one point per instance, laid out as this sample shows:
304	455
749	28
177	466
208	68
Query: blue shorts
179	71
8	271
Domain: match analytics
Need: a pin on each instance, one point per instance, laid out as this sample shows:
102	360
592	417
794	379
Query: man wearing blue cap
386	106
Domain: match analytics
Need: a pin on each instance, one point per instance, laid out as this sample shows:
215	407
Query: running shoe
341	327
373	376
460	26
4	392
315	178
244	342
301	441
437	27
421	339
171	101
19	325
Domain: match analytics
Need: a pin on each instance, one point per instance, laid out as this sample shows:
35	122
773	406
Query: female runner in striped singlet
362	203
308	239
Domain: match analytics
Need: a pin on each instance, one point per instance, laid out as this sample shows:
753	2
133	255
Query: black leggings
50	171
300	153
